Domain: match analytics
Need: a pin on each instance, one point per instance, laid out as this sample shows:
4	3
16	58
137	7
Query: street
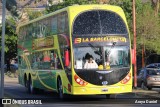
16	91
12	88
87	44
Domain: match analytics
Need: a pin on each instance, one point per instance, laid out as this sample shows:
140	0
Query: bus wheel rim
60	88
31	87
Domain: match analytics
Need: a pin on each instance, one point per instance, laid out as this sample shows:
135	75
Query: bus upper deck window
99	22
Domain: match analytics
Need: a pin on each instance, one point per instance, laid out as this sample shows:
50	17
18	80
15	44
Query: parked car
149	76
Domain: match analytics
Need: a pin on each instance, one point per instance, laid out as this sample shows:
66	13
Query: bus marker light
69	87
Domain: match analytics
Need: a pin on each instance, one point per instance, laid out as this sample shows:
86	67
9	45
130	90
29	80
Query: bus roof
74	7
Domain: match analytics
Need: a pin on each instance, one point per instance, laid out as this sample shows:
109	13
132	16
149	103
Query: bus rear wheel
30	87
60	89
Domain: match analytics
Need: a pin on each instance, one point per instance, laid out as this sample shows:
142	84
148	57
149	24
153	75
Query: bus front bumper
102	90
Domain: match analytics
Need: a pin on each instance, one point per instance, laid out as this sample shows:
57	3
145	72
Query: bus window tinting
97	22
87	23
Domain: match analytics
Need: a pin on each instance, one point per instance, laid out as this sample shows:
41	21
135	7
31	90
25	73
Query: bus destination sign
100	39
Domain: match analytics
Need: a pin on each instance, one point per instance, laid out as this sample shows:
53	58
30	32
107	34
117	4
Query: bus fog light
83	89
123	88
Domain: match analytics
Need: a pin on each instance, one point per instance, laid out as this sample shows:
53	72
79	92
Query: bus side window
30	30
34	64
52	60
54	25
61	23
55	61
59	66
46	60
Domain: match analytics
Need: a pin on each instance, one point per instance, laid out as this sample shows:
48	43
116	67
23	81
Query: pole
134	33
3	45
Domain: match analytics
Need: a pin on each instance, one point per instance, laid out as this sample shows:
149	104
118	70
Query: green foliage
148	31
69	3
126	5
10	41
34	14
11	6
147	25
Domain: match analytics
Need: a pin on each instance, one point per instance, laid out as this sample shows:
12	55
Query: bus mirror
67	58
133	56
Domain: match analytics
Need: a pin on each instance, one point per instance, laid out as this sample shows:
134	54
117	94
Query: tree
10	42
11	6
156	7
148	32
68	3
103	1
126	5
34	14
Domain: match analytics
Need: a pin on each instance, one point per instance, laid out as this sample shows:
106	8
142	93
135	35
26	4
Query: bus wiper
113	44
96	51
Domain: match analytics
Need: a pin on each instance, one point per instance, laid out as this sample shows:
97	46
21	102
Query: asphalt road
50	99
12	88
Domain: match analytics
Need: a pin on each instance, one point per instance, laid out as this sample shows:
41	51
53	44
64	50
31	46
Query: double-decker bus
78	50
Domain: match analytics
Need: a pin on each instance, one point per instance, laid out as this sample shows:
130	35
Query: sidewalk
11	79
154	93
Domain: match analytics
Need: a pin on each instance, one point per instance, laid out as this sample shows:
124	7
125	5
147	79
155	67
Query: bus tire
25	80
108	96
30	87
60	89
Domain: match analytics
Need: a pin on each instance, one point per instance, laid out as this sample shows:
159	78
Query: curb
146	93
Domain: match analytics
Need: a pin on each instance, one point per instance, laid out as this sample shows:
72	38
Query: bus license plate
104	90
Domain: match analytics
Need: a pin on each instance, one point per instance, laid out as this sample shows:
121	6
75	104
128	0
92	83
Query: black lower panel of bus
103	77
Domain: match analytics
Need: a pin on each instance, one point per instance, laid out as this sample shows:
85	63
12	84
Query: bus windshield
118	56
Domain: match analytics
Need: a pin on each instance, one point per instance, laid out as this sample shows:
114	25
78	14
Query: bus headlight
126	79
80	81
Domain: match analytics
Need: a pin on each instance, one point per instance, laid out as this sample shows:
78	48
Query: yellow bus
78	50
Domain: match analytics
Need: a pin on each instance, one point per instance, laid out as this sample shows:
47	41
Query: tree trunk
156	6
8	65
143	56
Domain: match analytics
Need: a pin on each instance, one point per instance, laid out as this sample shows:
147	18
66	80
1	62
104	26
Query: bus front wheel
108	96
60	89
